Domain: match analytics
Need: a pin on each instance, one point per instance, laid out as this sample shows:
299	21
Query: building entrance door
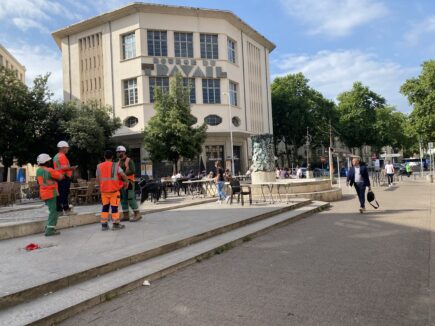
213	153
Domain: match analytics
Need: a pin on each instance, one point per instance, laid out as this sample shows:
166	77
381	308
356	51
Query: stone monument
263	159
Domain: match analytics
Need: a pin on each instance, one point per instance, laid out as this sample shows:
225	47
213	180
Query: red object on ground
32	246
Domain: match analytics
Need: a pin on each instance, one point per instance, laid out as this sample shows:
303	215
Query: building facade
120	57
7	60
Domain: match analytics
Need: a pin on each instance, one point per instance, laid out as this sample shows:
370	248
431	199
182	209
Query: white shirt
358	177
389	168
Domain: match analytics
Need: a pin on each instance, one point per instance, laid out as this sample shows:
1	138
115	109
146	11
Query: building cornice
13	58
137	7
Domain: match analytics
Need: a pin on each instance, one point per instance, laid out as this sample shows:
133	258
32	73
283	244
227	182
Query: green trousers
52	215
128	198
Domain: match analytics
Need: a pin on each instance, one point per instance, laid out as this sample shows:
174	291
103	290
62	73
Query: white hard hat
62	143
43	158
121	149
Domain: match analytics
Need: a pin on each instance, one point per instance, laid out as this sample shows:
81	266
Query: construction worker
61	164
128	196
48	191
111	179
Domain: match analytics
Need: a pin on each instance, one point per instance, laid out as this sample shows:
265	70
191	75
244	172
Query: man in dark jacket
359	177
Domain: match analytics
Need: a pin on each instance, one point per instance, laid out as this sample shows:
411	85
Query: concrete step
57	306
23	228
86	253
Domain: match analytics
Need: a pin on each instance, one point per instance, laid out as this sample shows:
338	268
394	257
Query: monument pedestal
261	177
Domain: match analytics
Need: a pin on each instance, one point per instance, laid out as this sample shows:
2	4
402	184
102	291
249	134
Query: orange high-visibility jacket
47	182
130	177
61	164
108	177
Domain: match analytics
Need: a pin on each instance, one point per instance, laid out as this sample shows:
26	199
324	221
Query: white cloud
332	73
334	17
26	14
40	60
24	24
417	31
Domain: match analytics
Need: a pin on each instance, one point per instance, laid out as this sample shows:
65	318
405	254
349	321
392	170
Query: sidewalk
337	268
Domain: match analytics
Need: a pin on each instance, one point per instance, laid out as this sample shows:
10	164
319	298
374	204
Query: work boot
136	217
125	216
117	226
104	227
50	233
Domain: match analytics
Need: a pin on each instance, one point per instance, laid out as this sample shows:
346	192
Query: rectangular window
128	46
233	93
183	43
211	91
209	46
130	91
190	82
160	82
157	44
95	63
231	50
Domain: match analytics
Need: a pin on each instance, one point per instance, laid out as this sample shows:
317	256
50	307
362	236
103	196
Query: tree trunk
175	167
7	163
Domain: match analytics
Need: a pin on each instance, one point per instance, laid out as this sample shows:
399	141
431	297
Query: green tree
357	116
421	96
88	128
170	133
296	106
22	111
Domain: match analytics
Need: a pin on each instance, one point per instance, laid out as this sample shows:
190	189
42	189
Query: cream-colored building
8	60
118	58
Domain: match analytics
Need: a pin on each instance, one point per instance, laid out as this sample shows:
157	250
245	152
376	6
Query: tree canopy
32	124
296	106
421	96
170	133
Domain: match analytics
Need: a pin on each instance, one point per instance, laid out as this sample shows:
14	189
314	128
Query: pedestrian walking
128	195
48	191
358	176
408	169
389	171
111	179
220	181
61	164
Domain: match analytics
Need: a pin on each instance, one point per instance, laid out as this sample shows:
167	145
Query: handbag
371	198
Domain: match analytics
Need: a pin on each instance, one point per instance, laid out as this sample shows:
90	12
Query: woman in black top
220	181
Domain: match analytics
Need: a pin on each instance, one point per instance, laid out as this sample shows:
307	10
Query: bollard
429	178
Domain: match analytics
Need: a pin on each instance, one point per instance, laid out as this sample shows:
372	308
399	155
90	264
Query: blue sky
333	42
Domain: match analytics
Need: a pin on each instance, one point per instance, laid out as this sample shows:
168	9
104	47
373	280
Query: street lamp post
231	129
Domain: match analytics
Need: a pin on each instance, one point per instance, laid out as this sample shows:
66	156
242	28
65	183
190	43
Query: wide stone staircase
85	266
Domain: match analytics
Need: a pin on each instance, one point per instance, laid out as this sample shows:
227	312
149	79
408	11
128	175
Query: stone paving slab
79	249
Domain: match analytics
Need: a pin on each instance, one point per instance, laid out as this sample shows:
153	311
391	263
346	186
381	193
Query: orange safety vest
107	175
47	183
60	163
129	177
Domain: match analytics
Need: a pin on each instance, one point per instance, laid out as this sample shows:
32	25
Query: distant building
8	60
120	57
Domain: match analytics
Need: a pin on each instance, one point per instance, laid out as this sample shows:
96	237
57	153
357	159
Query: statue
263	158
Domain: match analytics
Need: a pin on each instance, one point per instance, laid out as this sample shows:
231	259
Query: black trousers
390	178
62	199
361	192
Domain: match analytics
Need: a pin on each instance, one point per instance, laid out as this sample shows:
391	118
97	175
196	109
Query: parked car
399	168
317	172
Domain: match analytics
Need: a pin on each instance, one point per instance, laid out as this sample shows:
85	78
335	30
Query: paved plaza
337	267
